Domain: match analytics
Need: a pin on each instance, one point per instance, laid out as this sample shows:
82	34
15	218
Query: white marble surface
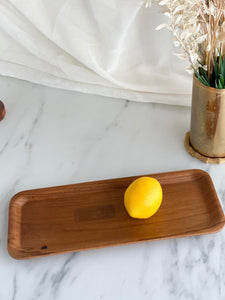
53	137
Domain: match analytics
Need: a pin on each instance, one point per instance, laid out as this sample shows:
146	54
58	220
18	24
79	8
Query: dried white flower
181	55
190	70
161	26
198	27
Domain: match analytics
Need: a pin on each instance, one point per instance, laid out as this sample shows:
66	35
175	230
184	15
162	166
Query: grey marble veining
53	137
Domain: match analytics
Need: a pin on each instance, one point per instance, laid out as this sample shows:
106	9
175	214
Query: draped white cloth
106	47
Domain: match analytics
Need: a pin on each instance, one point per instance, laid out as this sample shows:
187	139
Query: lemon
143	197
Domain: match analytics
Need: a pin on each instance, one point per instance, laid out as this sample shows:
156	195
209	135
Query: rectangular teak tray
92	215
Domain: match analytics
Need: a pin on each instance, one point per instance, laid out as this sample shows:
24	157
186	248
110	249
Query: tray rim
17	202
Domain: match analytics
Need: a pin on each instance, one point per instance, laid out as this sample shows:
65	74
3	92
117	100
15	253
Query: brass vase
206	140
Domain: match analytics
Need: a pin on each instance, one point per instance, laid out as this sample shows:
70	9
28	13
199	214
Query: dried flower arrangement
198	27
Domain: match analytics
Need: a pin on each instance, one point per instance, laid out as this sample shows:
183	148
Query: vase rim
212	89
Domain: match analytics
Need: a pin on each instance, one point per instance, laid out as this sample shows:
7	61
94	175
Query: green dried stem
217	77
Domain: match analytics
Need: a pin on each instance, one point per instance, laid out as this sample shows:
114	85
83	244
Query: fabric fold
107	47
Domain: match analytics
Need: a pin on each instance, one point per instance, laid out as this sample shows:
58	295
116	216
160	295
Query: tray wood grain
92	215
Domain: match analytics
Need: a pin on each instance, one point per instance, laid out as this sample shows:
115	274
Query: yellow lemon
143	197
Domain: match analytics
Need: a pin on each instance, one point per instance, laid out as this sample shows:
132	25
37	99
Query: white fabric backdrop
107	47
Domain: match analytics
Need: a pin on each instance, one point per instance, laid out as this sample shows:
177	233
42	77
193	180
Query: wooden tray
92	215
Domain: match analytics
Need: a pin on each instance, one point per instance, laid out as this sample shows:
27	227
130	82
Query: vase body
207	135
